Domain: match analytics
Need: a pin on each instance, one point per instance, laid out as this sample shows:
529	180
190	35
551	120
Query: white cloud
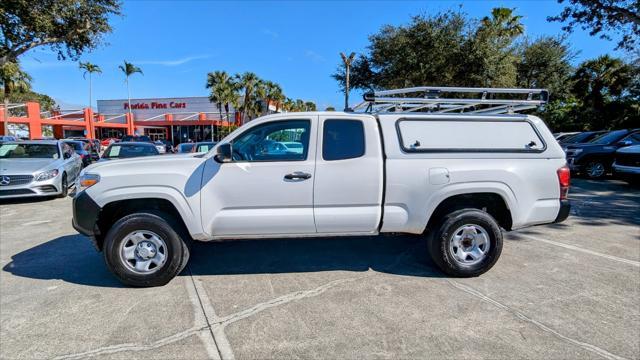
270	32
314	56
176	62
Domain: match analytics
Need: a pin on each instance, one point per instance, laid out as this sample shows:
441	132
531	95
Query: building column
88	123
35	122
130	124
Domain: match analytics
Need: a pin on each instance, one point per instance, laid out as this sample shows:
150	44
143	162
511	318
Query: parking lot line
223	348
586	251
589	347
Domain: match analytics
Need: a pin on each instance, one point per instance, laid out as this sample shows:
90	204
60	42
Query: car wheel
595	169
64	191
466	243
146	249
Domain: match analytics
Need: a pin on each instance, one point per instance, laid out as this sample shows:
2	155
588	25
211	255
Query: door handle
297	175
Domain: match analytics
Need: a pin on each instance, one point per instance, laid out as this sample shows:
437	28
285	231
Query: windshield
29	151
127	151
77	146
185	147
204	147
609	137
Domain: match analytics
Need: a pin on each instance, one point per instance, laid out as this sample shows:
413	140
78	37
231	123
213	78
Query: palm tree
299	105
231	98
288	104
216	81
248	81
12	78
129	69
504	22
224	92
310	106
272	93
89	68
278	97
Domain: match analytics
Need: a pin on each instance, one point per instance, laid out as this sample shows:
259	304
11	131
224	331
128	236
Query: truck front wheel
144	249
466	243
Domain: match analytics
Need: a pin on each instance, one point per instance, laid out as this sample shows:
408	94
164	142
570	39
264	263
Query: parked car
125	149
458	177
203	146
293	146
594	159
94	150
162	148
83	149
167	145
136	138
563	135
185	147
582	137
7	138
37	168
627	164
108	141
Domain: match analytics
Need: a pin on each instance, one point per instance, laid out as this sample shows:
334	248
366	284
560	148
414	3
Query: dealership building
176	119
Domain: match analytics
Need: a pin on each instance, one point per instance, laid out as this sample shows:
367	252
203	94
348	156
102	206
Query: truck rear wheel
144	249
466	243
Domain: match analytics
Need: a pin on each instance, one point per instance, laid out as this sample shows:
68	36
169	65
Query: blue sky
293	43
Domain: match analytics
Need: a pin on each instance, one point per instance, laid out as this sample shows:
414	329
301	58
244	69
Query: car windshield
29	151
77	146
204	147
580	138
185	147
609	137
127	151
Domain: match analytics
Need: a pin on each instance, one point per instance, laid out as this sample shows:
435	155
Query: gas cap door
438	176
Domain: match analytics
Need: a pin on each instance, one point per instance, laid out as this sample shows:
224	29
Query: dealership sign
152	108
156	105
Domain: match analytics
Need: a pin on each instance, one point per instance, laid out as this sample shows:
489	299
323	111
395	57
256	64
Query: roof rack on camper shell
468	100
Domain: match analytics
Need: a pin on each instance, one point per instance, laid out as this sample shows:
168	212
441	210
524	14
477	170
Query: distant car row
49	167
594	154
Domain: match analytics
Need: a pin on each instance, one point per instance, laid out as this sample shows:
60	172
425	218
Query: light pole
347	64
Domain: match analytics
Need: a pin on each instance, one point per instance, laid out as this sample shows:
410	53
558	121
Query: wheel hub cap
469	244
145	250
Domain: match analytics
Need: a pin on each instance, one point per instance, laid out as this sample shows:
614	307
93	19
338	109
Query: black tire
65	186
177	248
439	241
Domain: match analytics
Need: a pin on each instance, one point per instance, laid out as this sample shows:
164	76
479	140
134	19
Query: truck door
349	175
268	187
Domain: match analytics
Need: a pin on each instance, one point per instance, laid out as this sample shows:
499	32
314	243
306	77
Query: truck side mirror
223	153
66	155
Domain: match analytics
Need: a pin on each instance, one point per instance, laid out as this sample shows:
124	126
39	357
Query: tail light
564	178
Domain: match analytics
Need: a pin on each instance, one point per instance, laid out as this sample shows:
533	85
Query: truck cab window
342	139
276	141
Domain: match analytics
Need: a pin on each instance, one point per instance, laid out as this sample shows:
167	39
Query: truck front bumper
85	216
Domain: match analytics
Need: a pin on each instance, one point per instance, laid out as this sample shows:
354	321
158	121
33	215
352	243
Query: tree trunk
219	109
89	90
7	92
128	95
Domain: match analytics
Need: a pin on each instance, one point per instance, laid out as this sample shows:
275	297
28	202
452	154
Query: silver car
37	168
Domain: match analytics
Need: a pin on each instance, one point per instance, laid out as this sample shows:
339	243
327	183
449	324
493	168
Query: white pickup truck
458	178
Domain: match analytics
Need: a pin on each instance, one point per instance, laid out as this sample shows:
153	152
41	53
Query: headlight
86	181
47	175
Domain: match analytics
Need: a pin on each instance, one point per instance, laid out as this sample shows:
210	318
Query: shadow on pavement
601	202
73	259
